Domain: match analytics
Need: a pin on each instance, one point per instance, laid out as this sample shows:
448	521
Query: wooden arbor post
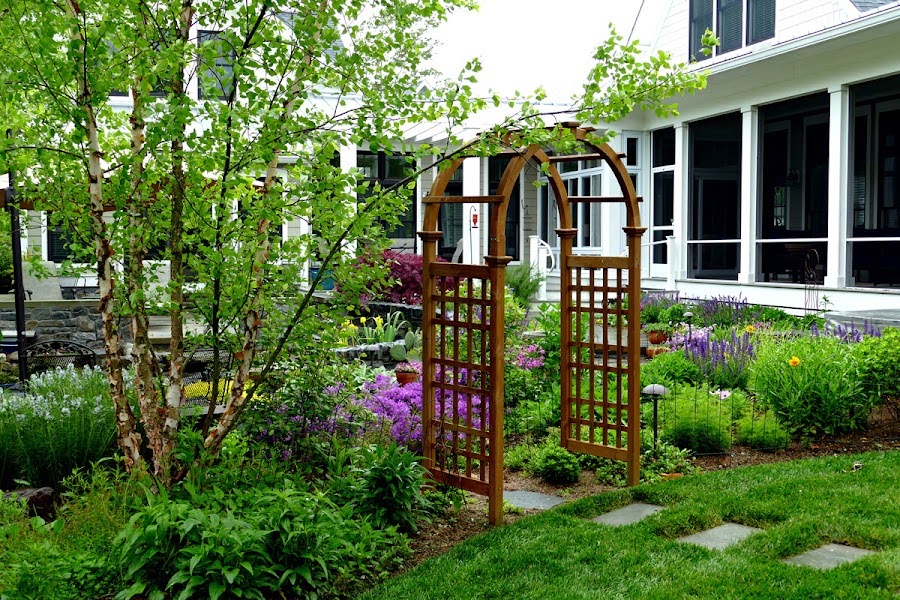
600	336
462	352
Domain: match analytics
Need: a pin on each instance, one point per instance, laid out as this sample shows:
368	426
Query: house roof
867	5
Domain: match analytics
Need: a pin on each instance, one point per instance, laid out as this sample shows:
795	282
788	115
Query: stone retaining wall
74	320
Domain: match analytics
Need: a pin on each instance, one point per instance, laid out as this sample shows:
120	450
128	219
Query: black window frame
409	218
757	23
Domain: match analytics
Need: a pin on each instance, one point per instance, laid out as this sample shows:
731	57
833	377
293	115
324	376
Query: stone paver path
531	500
828	556
627	515
721	537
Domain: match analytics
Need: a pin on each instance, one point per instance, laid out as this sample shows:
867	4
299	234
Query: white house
783	174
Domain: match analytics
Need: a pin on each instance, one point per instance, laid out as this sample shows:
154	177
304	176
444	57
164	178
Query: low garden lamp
689	316
652	393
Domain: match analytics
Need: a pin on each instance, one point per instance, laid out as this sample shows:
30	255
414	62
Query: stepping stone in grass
531	500
627	515
721	537
828	556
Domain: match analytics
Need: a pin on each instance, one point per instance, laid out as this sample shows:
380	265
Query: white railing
543	260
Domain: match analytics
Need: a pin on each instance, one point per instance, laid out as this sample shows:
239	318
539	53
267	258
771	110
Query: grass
801	505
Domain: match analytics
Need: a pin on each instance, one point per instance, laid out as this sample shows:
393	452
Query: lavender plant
723	361
725	311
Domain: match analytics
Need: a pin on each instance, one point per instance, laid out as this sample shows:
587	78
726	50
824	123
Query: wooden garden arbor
463	335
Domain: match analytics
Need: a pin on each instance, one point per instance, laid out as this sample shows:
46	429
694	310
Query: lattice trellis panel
458	441
596	405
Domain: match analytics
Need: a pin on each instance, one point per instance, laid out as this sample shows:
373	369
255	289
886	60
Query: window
217	66
728	22
760	20
714	202
663	207
581	178
875	193
792	221
701	20
58	243
496	166
388	170
451	217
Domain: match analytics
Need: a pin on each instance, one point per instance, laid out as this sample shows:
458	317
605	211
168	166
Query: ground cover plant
800	505
65	421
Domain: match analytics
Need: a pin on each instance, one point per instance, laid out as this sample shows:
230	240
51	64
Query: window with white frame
735	22
662	206
581	178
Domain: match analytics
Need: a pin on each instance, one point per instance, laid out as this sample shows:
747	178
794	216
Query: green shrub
520	385
520	456
812	384
611	472
670	368
65	421
556	465
253	542
665	458
698	420
524	280
879	364
388	489
762	433
536	416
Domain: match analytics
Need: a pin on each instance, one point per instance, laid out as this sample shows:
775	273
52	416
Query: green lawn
801	505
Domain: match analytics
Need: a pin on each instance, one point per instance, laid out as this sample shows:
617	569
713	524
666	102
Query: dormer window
735	22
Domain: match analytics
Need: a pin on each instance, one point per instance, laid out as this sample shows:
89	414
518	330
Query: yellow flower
379	322
794	361
362	320
750	329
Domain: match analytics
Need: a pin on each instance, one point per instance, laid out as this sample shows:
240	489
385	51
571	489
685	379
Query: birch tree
189	130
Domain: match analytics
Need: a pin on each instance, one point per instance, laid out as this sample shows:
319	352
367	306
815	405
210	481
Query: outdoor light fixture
689	316
651	393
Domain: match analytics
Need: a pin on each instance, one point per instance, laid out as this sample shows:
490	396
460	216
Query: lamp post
16	234
651	393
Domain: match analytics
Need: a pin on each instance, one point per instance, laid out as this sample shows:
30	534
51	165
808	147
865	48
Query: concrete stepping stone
531	500
721	537
828	556
627	515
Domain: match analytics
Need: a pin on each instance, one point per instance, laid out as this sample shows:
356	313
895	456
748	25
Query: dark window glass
660	250
715	202
663	199
58	244
496	166
701	20
793	194
663	143
388	170
216	74
730	25
760	20
631	151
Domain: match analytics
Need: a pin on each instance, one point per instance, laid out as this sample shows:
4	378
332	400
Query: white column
471	235
612	238
348	161
838	176
680	184
749	169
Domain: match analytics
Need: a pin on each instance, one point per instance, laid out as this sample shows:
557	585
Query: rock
39	500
